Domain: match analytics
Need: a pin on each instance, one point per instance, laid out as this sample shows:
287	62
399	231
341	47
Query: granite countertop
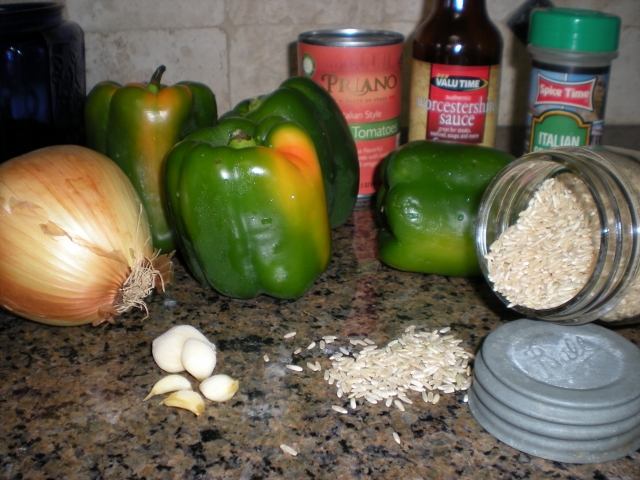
72	406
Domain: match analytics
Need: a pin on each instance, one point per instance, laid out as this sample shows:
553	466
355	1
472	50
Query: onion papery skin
71	226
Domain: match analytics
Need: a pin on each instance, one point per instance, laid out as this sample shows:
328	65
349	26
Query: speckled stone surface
71	398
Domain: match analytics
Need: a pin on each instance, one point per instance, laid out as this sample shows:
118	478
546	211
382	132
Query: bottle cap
574	29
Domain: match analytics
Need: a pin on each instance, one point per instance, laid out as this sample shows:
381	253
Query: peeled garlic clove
170	383
187	399
199	358
167	348
219	388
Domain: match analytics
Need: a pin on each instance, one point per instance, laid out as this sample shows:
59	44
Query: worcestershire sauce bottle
455	80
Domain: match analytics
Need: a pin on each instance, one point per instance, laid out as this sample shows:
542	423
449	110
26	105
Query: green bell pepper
428	204
136	125
248	207
301	100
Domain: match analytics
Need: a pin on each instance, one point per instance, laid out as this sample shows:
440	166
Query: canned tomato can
361	69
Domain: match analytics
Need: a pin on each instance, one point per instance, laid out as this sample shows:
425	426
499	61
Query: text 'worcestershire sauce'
455	78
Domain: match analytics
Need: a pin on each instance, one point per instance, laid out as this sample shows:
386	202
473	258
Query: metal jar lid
565	393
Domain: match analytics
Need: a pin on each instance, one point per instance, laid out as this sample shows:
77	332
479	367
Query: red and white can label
366	83
454	103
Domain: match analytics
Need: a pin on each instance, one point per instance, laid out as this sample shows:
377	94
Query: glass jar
42	78
611	292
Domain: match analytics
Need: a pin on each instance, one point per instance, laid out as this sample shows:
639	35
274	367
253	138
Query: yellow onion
75	242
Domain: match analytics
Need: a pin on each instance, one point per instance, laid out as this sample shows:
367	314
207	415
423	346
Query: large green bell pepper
136	125
428	204
301	100
248	207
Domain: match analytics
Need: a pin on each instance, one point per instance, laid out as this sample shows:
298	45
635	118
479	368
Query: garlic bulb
170	383
187	399
167	348
219	388
198	358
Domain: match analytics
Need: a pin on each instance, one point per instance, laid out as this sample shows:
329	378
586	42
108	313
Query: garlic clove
167	348
219	388
170	383
187	399
199	358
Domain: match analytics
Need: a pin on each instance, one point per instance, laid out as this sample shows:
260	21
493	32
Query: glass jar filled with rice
558	235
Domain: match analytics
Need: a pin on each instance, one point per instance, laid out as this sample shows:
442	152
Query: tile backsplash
243	48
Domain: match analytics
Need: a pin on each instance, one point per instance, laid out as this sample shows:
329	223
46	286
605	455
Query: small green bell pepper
248	207
428	204
301	100
136	125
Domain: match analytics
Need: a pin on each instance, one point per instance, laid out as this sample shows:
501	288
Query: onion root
146	274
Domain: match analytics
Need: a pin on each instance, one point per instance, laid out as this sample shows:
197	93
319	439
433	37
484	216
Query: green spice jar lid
574	29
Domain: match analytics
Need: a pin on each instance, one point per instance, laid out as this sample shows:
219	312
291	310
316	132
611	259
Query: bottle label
454	103
565	109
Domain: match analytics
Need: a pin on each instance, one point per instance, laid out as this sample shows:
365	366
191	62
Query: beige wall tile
132	56
106	15
408	10
253	47
623	98
319	12
260	58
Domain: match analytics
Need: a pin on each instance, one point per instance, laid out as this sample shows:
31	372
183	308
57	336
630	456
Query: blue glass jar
42	78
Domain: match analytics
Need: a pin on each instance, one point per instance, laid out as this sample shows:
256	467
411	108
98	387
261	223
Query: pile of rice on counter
429	363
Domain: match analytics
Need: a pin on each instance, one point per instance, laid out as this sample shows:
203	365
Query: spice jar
582	241
572	51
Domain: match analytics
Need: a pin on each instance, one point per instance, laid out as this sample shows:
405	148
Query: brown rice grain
288	449
415	361
558	234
